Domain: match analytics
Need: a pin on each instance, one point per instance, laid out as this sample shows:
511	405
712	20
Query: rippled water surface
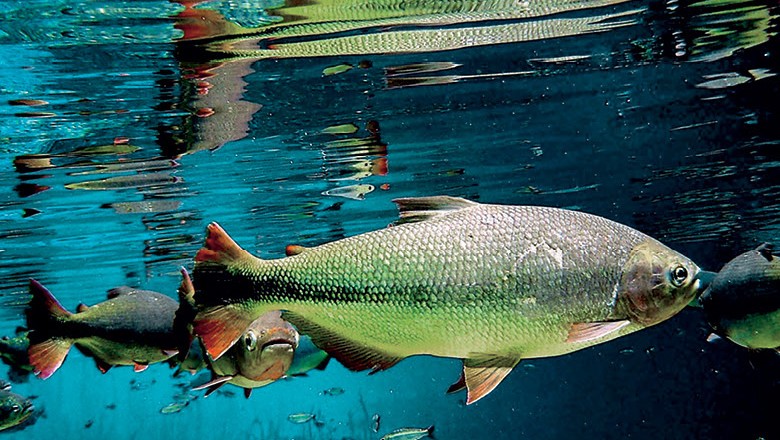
127	126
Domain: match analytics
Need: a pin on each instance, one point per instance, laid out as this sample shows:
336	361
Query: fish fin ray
588	331
482	375
219	248
219	327
415	209
354	356
47	356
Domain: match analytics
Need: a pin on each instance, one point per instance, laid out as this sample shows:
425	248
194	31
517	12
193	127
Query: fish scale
490	284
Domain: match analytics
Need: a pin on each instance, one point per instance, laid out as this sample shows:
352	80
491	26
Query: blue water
659	115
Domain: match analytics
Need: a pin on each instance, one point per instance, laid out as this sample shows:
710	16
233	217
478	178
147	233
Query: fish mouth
279	355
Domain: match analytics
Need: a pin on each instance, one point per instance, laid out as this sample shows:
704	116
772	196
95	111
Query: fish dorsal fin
415	209
186	289
588	331
81	308
121	290
482	375
294	249
354	356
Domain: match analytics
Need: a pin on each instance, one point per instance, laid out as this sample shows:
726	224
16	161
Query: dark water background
659	115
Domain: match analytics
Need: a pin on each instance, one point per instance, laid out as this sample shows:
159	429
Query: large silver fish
490	284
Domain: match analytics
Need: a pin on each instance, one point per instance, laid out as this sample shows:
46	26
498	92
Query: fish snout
276	356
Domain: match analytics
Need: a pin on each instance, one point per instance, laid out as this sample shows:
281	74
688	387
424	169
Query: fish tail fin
219	327
44	312
219	248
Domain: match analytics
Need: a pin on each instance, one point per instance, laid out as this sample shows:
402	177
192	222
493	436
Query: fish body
133	327
490	284
742	303
409	434
14	409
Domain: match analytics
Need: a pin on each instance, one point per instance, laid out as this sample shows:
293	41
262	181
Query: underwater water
127	126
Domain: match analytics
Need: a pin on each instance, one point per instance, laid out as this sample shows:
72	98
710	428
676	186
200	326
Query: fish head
656	283
266	350
14	409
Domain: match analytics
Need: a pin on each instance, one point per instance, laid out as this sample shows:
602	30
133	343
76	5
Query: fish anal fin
138	367
219	248
102	365
354	356
247	392
482	375
47	356
588	331
414	209
219	327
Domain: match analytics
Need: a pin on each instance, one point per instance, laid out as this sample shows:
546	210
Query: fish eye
679	275
250	340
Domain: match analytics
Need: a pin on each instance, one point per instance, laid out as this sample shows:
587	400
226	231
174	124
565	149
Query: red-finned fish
490	284
133	327
262	355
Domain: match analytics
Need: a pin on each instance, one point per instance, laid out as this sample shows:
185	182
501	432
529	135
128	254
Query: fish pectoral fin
138	367
588	331
219	327
47	356
353	355
415	209
482	375
213	384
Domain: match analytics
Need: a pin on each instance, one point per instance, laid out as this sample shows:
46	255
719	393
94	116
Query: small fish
489	284
262	355
133	327
354	192
101	150
337	69
409	434
174	407
14	409
742	303
334	391
340	129
299	418
121	182
375	421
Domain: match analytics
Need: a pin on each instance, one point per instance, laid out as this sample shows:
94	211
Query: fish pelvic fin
482	375
219	327
415	209
589	331
219	248
213	385
354	356
47	356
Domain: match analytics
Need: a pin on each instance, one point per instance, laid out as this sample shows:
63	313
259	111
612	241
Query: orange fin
588	331
139	367
354	356
294	249
483	375
47	356
220	327
219	247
